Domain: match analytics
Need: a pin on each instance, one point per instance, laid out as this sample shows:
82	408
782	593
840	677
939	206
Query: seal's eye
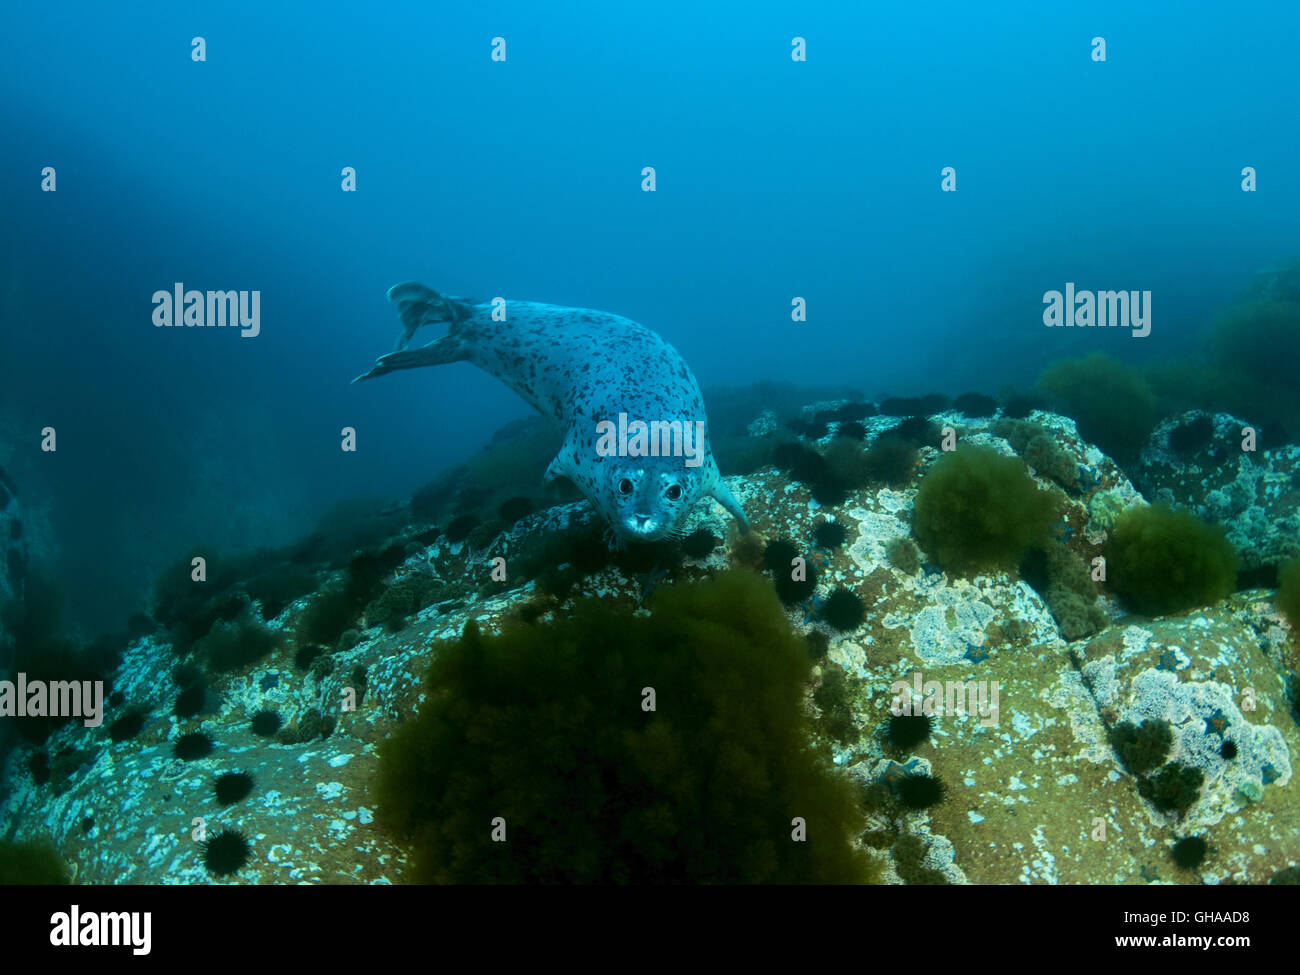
625	486
674	492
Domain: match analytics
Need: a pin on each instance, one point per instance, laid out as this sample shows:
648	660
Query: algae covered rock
1061	746
1231	735
1199	461
1032	796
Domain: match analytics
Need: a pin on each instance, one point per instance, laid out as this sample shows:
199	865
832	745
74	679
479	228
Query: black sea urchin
830	534
225	853
194	745
189	702
906	731
1189	852
460	528
127	726
233	786
699	543
266	723
919	791
844	610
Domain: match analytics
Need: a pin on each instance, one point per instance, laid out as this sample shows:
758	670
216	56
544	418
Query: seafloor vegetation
472	687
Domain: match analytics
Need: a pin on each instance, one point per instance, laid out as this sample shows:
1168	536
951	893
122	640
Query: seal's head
647	498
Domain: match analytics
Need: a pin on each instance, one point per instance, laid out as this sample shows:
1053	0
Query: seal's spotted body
580	368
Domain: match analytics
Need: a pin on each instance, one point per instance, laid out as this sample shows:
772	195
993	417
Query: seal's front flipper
553	471
418	305
724	497
562	466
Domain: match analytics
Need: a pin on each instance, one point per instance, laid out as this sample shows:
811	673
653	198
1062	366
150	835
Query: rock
1034	791
763	424
1195	460
309	818
1028	791
1039	796
1204	673
1029	787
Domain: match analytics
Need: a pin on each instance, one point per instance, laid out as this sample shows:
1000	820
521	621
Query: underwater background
776	178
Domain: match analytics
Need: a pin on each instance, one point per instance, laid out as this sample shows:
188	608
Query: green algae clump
35	863
903	555
1174	789
607	747
1142	748
1111	404
1288	592
1160	560
978	510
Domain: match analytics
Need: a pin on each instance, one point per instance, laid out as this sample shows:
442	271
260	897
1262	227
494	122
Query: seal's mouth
643	528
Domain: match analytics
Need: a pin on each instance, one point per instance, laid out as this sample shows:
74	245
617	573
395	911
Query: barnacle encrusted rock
1254	495
1034	795
1034	791
1204	673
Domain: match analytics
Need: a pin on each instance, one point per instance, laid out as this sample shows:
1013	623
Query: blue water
522	178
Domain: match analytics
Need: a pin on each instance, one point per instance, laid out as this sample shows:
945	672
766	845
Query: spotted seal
635	432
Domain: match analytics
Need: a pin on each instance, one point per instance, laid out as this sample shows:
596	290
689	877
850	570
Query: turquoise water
822	210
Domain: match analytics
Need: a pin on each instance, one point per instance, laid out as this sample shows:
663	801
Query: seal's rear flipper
724	497
446	349
418	305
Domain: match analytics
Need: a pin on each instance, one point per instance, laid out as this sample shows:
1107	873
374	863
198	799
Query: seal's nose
642	522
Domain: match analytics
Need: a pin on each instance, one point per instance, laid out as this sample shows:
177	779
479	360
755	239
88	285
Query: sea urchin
233	786
844	610
225	853
906	731
917	791
266	723
194	745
